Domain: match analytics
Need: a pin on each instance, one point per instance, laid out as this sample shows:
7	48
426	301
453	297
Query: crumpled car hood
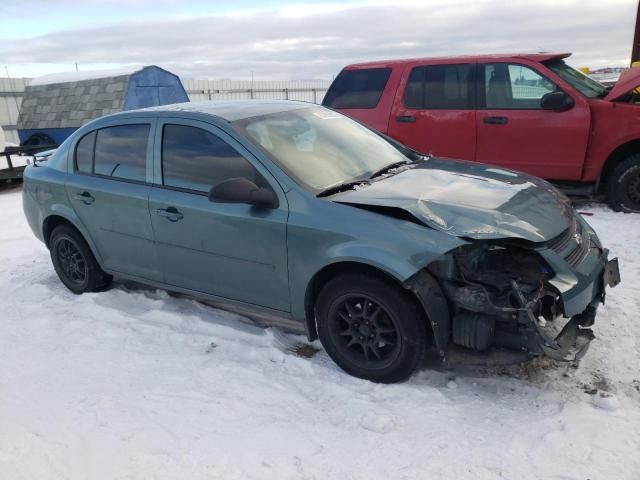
471	200
629	80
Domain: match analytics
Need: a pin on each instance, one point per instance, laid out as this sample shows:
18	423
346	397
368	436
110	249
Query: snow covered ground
16	160
134	383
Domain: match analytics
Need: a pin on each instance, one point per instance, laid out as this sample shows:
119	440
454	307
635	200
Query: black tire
38	139
74	262
623	185
349	328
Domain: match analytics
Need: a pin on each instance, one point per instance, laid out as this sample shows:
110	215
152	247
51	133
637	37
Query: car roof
229	111
536	57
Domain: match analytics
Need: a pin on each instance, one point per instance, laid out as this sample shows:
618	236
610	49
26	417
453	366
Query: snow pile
16	161
134	383
64	77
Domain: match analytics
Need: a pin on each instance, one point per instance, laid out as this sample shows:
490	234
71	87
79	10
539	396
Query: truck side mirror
556	102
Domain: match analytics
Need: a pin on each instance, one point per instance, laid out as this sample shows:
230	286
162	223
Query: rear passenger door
231	250
434	110
109	191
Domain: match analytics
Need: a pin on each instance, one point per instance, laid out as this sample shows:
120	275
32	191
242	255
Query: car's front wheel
623	187
74	262
371	328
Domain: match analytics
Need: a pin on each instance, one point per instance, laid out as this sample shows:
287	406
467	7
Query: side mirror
556	102
242	190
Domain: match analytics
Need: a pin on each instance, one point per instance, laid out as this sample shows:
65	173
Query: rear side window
84	153
357	88
195	159
440	87
121	152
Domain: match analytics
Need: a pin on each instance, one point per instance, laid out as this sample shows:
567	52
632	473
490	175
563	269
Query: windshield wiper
340	187
389	167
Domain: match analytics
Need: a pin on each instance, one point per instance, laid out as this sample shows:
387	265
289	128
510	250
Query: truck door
514	131
434	110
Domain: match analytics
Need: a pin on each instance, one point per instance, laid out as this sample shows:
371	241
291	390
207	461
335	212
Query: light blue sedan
302	218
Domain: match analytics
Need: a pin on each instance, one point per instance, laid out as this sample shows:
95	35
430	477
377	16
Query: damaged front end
507	294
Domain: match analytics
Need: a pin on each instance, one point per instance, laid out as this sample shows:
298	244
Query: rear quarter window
357	88
84	153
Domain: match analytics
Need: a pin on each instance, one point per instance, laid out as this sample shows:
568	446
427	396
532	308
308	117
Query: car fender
346	235
427	289
44	194
407	271
616	129
70	216
415	279
397	266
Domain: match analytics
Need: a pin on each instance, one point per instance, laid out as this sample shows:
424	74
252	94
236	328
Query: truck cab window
512	86
357	88
440	87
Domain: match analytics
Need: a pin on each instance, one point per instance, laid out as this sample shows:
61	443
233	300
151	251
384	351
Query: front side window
440	87
513	86
195	159
357	88
318	147
121	152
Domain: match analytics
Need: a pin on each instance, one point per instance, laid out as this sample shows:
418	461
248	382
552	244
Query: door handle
406	119
495	120
84	197
172	214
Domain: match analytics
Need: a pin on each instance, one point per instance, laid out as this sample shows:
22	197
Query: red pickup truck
528	112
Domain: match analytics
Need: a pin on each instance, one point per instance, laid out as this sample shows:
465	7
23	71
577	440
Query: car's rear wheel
623	186
74	263
371	328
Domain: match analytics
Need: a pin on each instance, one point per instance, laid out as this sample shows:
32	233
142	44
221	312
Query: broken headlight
479	277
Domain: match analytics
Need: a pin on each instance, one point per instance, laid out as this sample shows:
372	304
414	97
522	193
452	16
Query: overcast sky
299	40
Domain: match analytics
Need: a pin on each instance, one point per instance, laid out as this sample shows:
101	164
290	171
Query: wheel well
618	155
332	271
52	222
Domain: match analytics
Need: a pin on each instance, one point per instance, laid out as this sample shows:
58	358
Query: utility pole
14	92
635	50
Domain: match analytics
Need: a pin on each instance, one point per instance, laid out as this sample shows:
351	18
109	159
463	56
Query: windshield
319	148
578	80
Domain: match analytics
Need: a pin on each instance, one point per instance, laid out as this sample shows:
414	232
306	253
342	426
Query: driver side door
233	251
515	132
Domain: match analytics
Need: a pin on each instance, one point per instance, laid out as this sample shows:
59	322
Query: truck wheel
371	328
623	186
74	263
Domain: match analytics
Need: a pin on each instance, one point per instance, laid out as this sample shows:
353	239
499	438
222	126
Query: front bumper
581	283
509	296
572	341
